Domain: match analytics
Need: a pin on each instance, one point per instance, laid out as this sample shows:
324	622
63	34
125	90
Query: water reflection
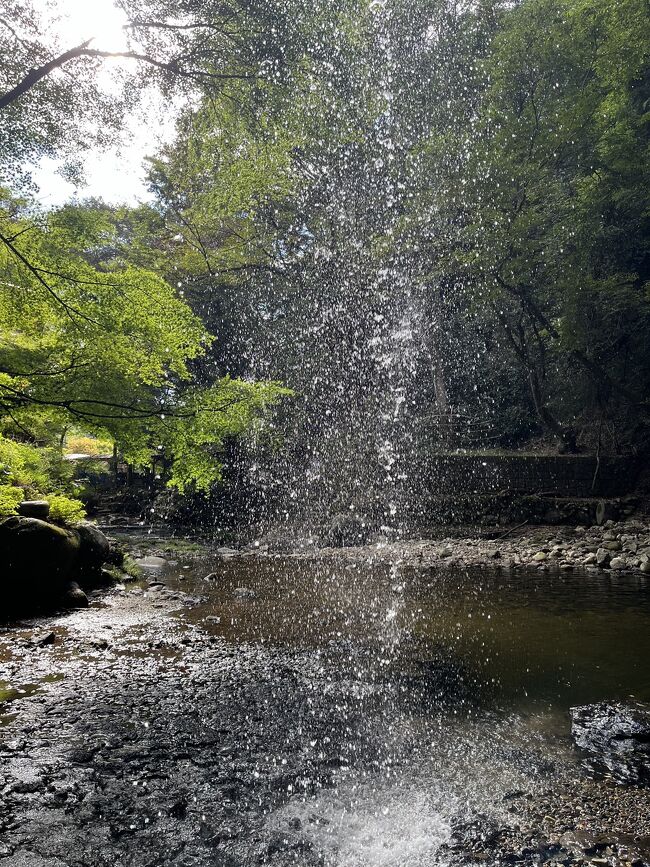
523	639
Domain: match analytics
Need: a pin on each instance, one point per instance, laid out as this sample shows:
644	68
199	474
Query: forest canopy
427	220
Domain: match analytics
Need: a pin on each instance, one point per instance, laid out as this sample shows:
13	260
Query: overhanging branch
173	67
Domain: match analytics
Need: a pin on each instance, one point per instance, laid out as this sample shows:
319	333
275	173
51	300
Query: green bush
29	473
10	496
65	509
23	464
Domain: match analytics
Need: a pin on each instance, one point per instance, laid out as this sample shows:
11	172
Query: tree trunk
566	435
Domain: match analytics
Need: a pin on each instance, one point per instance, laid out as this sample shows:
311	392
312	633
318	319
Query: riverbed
241	710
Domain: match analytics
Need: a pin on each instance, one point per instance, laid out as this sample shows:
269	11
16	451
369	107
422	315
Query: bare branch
40	72
171	66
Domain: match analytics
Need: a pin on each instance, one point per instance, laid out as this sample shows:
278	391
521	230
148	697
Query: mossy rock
37	559
94	551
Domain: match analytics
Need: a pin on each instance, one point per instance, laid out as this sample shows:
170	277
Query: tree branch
35	75
69	309
82	50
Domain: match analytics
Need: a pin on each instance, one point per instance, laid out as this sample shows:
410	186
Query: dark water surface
525	639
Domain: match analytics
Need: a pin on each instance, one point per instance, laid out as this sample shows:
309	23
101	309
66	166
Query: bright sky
118	174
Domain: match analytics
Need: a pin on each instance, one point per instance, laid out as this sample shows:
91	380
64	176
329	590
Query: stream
285	710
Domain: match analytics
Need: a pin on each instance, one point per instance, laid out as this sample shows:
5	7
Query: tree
51	100
89	332
302	225
557	231
108	346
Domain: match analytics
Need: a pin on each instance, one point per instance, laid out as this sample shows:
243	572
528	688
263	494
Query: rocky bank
616	547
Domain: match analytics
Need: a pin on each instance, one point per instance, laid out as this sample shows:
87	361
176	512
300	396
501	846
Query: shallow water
321	713
464	681
529	641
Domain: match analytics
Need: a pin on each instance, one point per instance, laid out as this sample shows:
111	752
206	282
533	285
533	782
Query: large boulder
74	597
615	739
37	559
94	551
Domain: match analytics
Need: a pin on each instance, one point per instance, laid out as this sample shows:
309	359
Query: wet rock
347	530
213	576
74	596
602	557
227	553
37	558
540	557
618	563
243	593
94	550
616	740
44	640
34	509
178	809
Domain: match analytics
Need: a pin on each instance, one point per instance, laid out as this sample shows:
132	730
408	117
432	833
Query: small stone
590	558
618	563
44	640
74	596
34	509
227	553
446	551
540	557
602	557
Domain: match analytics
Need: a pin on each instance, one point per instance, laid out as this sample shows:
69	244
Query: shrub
10	497
87	445
65	509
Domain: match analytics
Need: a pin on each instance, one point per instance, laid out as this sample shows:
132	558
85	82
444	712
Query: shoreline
615	548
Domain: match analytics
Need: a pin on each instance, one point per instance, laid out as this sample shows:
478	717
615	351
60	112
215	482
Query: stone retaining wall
559	475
